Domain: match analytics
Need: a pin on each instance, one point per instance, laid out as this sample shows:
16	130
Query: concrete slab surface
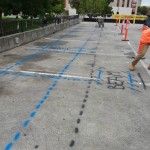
73	90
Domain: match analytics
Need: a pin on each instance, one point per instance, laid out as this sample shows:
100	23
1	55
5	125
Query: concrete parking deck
73	91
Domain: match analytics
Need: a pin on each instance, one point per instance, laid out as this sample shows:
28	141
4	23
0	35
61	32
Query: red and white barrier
126	30
122	26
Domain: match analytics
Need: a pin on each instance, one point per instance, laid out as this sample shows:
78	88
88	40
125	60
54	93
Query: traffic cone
126	32
116	22
122	26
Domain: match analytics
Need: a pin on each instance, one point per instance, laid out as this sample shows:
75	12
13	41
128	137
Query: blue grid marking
130	76
9	146
99	76
35	53
33	114
17	136
26	122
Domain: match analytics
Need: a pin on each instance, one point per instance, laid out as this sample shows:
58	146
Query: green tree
142	10
3	6
57	6
107	8
13	7
92	6
41	7
33	8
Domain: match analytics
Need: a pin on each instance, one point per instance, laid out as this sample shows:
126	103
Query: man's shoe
149	67
132	68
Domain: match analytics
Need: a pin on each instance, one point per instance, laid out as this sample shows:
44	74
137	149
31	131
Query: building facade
71	11
126	7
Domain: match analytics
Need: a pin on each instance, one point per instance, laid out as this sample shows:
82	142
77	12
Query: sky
146	2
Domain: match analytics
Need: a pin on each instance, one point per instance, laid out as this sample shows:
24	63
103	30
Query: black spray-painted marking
78	121
114	80
86	96
93	64
83	106
115	83
142	81
72	143
76	130
92	71
87	92
116	75
81	113
84	100
36	146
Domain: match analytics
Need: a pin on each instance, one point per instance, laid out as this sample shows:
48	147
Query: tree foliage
143	10
92	6
32	8
3	6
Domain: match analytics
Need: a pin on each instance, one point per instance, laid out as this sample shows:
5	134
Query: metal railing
8	27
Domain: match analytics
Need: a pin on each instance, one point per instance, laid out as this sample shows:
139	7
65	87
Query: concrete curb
15	40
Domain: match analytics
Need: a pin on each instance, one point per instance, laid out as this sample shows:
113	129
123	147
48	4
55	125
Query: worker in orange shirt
145	40
147	20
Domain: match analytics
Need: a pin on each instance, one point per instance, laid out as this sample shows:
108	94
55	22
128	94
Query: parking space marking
35	53
72	40
66	77
66	67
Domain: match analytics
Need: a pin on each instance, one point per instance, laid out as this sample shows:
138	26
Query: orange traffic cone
126	32
116	22
122	27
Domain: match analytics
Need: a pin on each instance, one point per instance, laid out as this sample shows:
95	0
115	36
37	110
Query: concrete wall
12	41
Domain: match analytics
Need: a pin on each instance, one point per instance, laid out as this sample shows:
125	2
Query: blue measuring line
35	53
130	76
38	106
99	76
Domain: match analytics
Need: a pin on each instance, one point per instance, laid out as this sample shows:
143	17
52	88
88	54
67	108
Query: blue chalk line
26	122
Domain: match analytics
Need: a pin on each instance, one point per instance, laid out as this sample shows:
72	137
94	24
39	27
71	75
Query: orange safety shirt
145	39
